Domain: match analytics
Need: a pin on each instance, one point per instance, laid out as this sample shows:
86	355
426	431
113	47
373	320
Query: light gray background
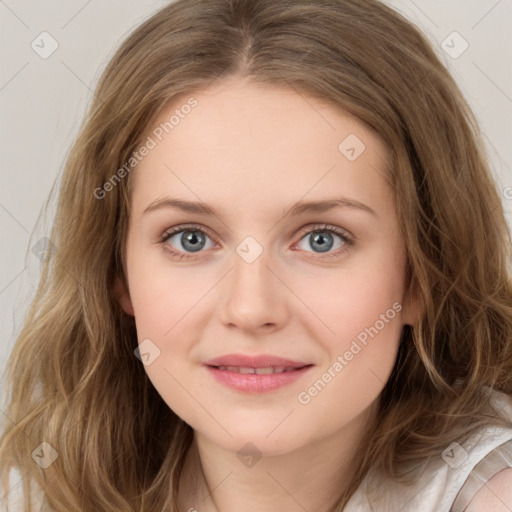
42	102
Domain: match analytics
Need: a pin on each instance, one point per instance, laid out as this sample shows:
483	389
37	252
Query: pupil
321	240
191	240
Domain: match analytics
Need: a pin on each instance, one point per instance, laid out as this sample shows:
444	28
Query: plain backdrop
42	102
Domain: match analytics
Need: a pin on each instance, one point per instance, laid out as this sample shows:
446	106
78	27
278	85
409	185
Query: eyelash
348	241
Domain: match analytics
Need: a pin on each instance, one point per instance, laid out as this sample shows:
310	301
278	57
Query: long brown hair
73	379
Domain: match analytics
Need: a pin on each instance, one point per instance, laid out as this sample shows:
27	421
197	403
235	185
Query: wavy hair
73	380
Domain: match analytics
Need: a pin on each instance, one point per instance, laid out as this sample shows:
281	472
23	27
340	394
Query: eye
190	238
322	239
182	241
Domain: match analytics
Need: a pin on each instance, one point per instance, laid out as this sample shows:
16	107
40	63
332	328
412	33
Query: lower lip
253	383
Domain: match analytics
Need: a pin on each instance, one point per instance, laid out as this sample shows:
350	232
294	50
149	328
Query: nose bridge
252	297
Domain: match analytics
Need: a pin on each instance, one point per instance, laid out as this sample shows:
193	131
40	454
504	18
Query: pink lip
253	383
261	361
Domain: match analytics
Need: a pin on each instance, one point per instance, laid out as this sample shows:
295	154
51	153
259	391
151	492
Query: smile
257	371
256	380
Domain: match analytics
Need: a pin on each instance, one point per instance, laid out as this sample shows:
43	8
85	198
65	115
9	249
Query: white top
448	483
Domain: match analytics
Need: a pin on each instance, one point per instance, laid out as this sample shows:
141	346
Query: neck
311	477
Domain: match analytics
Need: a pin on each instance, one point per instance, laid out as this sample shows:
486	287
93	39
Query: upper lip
259	361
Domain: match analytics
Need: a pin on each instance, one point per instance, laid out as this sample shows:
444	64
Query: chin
262	441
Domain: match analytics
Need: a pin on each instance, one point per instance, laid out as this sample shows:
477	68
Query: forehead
250	144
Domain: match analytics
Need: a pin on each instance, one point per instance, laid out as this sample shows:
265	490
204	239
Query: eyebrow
297	208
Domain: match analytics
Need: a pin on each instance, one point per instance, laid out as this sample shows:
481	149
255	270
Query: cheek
163	295
361	313
172	307
169	306
345	302
360	359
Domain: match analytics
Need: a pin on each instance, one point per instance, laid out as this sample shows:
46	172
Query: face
256	273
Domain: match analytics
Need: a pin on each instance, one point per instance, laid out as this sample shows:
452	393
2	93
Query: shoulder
495	495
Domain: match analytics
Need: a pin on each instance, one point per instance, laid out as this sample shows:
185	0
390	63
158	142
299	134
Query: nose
253	296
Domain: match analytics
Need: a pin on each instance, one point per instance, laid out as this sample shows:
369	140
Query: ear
411	312
123	296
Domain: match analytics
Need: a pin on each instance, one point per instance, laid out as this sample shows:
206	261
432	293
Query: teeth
257	371
241	370
263	371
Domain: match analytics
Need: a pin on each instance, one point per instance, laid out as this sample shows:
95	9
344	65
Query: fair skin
250	152
495	495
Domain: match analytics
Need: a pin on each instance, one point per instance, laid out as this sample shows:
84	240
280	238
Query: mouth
255	362
259	371
258	374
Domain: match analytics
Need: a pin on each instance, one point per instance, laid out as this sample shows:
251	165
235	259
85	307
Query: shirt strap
495	461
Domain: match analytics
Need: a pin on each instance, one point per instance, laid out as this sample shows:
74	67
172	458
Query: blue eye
323	239
193	239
